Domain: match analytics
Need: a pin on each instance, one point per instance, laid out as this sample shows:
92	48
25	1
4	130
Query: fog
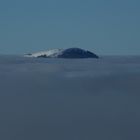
70	99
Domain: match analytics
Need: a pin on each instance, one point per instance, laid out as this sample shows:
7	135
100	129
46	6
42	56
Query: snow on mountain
64	53
49	53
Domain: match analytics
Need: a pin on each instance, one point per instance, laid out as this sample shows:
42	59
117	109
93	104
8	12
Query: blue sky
103	26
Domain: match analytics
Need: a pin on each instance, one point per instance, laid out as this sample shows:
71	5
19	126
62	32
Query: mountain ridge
64	53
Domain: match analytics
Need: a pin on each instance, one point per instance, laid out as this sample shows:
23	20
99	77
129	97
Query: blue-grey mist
69	99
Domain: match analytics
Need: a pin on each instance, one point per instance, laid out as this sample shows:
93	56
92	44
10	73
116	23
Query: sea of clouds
70	99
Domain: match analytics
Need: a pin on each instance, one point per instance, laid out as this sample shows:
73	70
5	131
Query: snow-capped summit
64	53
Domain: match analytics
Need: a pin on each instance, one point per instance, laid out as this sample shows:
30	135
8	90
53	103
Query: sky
107	27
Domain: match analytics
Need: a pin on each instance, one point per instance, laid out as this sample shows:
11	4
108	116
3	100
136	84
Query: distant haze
104	27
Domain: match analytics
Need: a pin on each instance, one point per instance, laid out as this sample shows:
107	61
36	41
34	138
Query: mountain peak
64	53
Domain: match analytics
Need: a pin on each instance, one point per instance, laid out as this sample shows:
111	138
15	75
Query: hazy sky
103	26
